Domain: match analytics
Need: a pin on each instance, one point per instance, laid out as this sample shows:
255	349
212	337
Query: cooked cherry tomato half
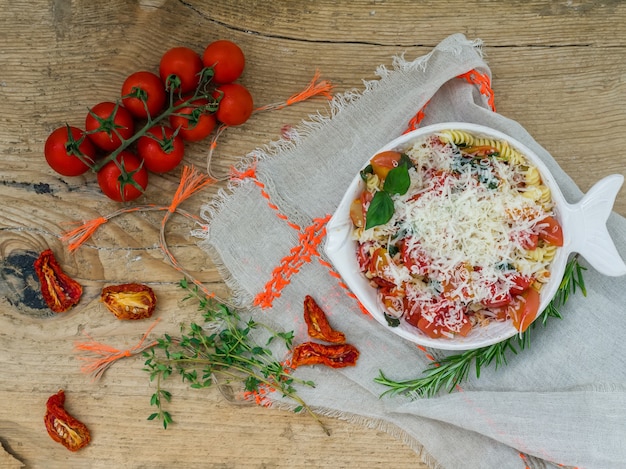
414	257
227	60
521	283
143	94
551	233
529	241
384	162
107	123
194	122
129	301
69	152
123	179
180	69
161	149
429	328
62	427
498	297
235	104
524	309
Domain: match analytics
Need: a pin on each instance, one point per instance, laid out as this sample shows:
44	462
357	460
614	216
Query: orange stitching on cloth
483	82
274	207
347	291
428	355
417	119
309	240
523	457
249	172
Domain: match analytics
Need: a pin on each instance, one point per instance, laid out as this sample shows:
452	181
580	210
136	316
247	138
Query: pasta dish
454	232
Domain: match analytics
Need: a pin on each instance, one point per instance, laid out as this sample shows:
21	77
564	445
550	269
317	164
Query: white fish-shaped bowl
583	225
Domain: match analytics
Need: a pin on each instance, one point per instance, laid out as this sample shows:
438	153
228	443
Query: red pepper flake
62	427
318	325
59	291
335	355
129	301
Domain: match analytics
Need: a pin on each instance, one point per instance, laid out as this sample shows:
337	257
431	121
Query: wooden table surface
559	68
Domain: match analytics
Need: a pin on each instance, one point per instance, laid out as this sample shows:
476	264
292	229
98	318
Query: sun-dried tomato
62	427
59	291
335	355
129	300
318	325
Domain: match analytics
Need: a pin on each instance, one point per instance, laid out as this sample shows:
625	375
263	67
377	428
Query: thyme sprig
222	350
452	370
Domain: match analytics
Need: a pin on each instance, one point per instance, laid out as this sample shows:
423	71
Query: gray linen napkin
563	401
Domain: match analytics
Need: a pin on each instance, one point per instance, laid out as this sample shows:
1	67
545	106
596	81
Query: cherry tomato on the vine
106	122
236	104
180	68
123	179
193	122
143	94
64	149
227	60
160	149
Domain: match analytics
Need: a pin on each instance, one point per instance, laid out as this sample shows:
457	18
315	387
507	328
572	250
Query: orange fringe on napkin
191	181
103	356
315	88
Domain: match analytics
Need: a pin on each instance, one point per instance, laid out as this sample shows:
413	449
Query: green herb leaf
380	210
397	180
228	350
365	171
392	321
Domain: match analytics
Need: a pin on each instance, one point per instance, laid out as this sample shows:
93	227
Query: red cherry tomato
193	122
429	328
498	297
384	162
180	69
522	282
227	60
414	257
235	105
63	148
524	310
160	149
529	241
143	94
552	233
123	179
106	123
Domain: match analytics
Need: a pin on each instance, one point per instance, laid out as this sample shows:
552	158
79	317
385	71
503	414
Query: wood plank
558	69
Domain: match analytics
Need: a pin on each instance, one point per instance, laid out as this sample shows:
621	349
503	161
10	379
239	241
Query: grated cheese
469	222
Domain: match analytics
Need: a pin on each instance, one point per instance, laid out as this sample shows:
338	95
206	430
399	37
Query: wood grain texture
558	67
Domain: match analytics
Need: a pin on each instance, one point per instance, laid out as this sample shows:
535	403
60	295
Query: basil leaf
397	181
405	160
380	210
392	321
365	171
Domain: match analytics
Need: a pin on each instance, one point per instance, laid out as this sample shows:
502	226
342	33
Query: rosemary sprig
222	350
452	370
